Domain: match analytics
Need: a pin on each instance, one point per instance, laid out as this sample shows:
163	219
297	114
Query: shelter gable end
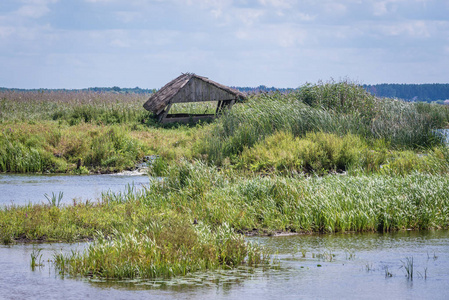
197	90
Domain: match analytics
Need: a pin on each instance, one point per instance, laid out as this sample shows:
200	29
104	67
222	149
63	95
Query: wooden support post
230	104
164	113
219	106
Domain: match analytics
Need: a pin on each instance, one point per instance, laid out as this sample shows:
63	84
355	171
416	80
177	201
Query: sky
282	43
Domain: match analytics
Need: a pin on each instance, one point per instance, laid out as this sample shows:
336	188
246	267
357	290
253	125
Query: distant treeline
137	90
411	92
114	89
261	89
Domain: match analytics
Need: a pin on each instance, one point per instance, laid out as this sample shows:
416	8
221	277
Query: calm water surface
340	266
24	189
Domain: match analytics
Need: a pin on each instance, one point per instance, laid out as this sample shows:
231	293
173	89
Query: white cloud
249	16
100	1
277	3
380	8
6	31
418	29
243	42
305	17
335	8
34	8
129	16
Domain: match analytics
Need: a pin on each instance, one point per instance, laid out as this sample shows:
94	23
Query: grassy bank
320	129
334	108
190	221
268	165
316	204
47	147
53	132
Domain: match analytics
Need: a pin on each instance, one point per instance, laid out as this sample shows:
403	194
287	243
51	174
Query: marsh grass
336	108
194	108
316	204
48	147
388	273
36	259
54	200
317	153
164	249
408	266
72	107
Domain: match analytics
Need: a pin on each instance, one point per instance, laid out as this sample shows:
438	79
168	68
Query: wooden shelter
191	88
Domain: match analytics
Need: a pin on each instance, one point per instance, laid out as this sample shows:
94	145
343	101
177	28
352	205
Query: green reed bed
322	153
48	147
163	249
333	203
337	108
72	107
189	220
67	223
304	204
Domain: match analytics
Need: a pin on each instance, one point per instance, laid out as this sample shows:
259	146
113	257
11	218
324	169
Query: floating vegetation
326	256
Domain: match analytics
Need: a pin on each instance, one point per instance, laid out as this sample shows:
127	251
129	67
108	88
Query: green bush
318	153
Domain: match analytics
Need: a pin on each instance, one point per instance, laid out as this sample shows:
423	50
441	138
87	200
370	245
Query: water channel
21	189
333	266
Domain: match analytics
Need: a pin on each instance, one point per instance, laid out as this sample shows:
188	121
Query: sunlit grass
194	191
338	108
163	249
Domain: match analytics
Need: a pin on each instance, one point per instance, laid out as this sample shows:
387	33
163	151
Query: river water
23	189
333	266
337	266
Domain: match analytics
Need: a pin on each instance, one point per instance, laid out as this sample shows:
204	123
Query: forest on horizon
428	92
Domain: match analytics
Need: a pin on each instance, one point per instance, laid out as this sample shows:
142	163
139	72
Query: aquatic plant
36	258
165	248
388	274
54	200
408	267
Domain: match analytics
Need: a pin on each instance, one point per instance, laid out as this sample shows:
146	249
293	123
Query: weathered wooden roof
159	100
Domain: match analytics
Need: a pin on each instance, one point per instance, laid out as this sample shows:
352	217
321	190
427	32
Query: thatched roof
176	89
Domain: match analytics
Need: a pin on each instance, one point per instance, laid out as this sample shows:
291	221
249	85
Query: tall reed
163	249
72	107
339	108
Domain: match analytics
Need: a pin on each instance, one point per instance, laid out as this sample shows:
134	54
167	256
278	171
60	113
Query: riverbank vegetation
265	204
322	128
327	158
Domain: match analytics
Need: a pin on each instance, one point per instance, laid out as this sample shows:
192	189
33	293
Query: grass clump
316	153
165	248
